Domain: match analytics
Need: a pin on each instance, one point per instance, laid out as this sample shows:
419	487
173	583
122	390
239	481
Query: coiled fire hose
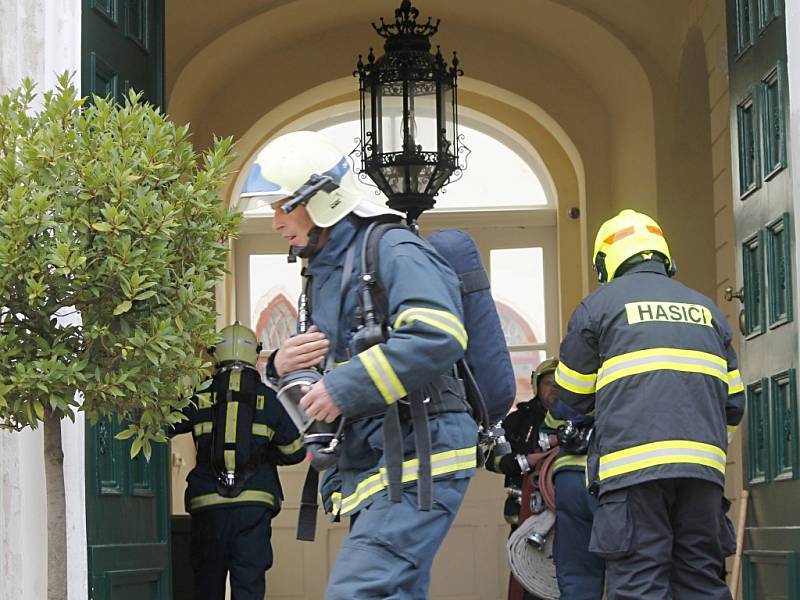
547	486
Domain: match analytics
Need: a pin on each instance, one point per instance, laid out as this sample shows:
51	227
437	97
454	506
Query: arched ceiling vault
228	67
599	70
653	30
217	46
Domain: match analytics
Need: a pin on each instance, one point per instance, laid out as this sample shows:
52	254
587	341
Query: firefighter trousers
389	551
664	539
579	572
233	539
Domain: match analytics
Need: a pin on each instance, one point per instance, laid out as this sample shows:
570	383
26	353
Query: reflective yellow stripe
551	422
735	385
442	463
292	447
382	374
235	381
731	432
230	459
246	496
574	381
231	416
569	460
203	427
440	319
661	453
263	430
260	403
204	401
658	359
336	503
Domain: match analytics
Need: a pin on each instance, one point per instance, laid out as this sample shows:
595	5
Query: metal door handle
738	294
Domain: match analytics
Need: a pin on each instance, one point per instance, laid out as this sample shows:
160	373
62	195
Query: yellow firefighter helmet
624	236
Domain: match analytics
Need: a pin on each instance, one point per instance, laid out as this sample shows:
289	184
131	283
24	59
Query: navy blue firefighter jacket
654	359
427	337
275	439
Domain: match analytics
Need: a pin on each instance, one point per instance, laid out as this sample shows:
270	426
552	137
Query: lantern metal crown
410	146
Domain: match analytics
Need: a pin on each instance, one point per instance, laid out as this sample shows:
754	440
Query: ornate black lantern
410	146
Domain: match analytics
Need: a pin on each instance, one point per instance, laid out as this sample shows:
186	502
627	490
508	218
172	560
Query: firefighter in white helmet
390	547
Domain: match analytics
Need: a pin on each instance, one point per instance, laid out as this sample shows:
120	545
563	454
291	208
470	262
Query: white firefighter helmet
287	163
237	343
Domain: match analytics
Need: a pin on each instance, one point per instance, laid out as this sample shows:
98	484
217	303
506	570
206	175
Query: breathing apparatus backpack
234	457
487	354
486	367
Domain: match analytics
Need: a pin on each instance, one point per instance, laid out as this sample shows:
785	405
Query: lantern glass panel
393	178
421	115
448	122
367	125
418	178
391	124
375	121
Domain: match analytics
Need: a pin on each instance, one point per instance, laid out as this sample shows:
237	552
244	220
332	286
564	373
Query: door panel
122	48
763	210
127	501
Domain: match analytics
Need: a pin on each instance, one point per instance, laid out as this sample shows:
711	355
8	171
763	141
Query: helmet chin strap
310	249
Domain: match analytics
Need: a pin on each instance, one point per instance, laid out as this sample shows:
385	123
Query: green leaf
136	447
147	450
39	409
145	295
152	356
124	435
104	227
123	307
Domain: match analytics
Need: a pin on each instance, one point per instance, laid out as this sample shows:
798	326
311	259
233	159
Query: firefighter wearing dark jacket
522	431
654	359
241	432
522	427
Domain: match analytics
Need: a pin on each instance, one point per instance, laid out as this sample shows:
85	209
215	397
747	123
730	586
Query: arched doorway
510	211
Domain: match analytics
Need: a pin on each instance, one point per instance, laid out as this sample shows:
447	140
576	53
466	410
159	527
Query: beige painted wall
626	103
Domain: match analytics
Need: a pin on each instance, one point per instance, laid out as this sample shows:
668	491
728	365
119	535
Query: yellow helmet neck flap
629	235
238	343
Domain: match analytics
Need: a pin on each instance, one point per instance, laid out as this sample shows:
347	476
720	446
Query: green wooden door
122	47
127	502
127	519
764	213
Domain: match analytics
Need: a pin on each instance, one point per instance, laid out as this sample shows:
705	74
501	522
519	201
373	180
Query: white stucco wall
38	39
